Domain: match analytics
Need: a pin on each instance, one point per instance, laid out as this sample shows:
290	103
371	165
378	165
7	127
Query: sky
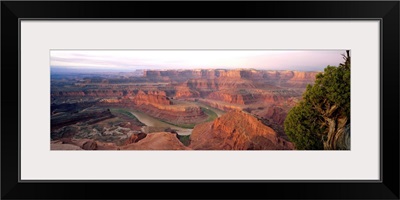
127	60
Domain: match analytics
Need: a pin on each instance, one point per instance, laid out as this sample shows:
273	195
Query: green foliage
329	97
331	88
124	112
185	139
211	114
302	125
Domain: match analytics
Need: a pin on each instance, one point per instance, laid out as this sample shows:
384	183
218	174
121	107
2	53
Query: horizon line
173	69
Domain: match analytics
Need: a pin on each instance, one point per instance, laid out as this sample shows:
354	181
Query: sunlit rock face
236	130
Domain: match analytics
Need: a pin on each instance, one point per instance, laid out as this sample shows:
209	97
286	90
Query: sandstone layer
236	130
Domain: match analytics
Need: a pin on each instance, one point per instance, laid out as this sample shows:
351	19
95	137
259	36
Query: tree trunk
338	137
329	143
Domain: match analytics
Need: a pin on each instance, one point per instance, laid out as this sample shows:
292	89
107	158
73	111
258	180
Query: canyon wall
284	78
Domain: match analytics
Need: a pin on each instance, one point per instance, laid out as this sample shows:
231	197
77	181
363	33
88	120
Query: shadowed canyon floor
209	109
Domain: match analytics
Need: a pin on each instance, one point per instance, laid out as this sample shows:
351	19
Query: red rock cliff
236	130
152	97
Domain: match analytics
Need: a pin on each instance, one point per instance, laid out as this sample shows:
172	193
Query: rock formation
157	141
236	130
135	138
89	145
152	97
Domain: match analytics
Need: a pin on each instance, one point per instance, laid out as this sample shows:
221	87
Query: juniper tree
321	120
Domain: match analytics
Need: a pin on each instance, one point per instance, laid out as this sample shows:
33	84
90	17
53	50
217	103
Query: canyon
205	109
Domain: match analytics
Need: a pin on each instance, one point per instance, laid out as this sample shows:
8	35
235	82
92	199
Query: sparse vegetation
97	127
211	114
185	139
124	112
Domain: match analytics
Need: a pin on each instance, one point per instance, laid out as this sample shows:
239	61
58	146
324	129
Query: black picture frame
386	11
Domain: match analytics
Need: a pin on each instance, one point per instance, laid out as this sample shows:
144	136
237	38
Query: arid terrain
199	109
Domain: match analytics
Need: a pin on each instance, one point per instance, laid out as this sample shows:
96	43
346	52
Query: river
151	121
217	111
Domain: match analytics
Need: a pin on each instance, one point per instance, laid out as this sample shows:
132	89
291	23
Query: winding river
151	121
218	112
